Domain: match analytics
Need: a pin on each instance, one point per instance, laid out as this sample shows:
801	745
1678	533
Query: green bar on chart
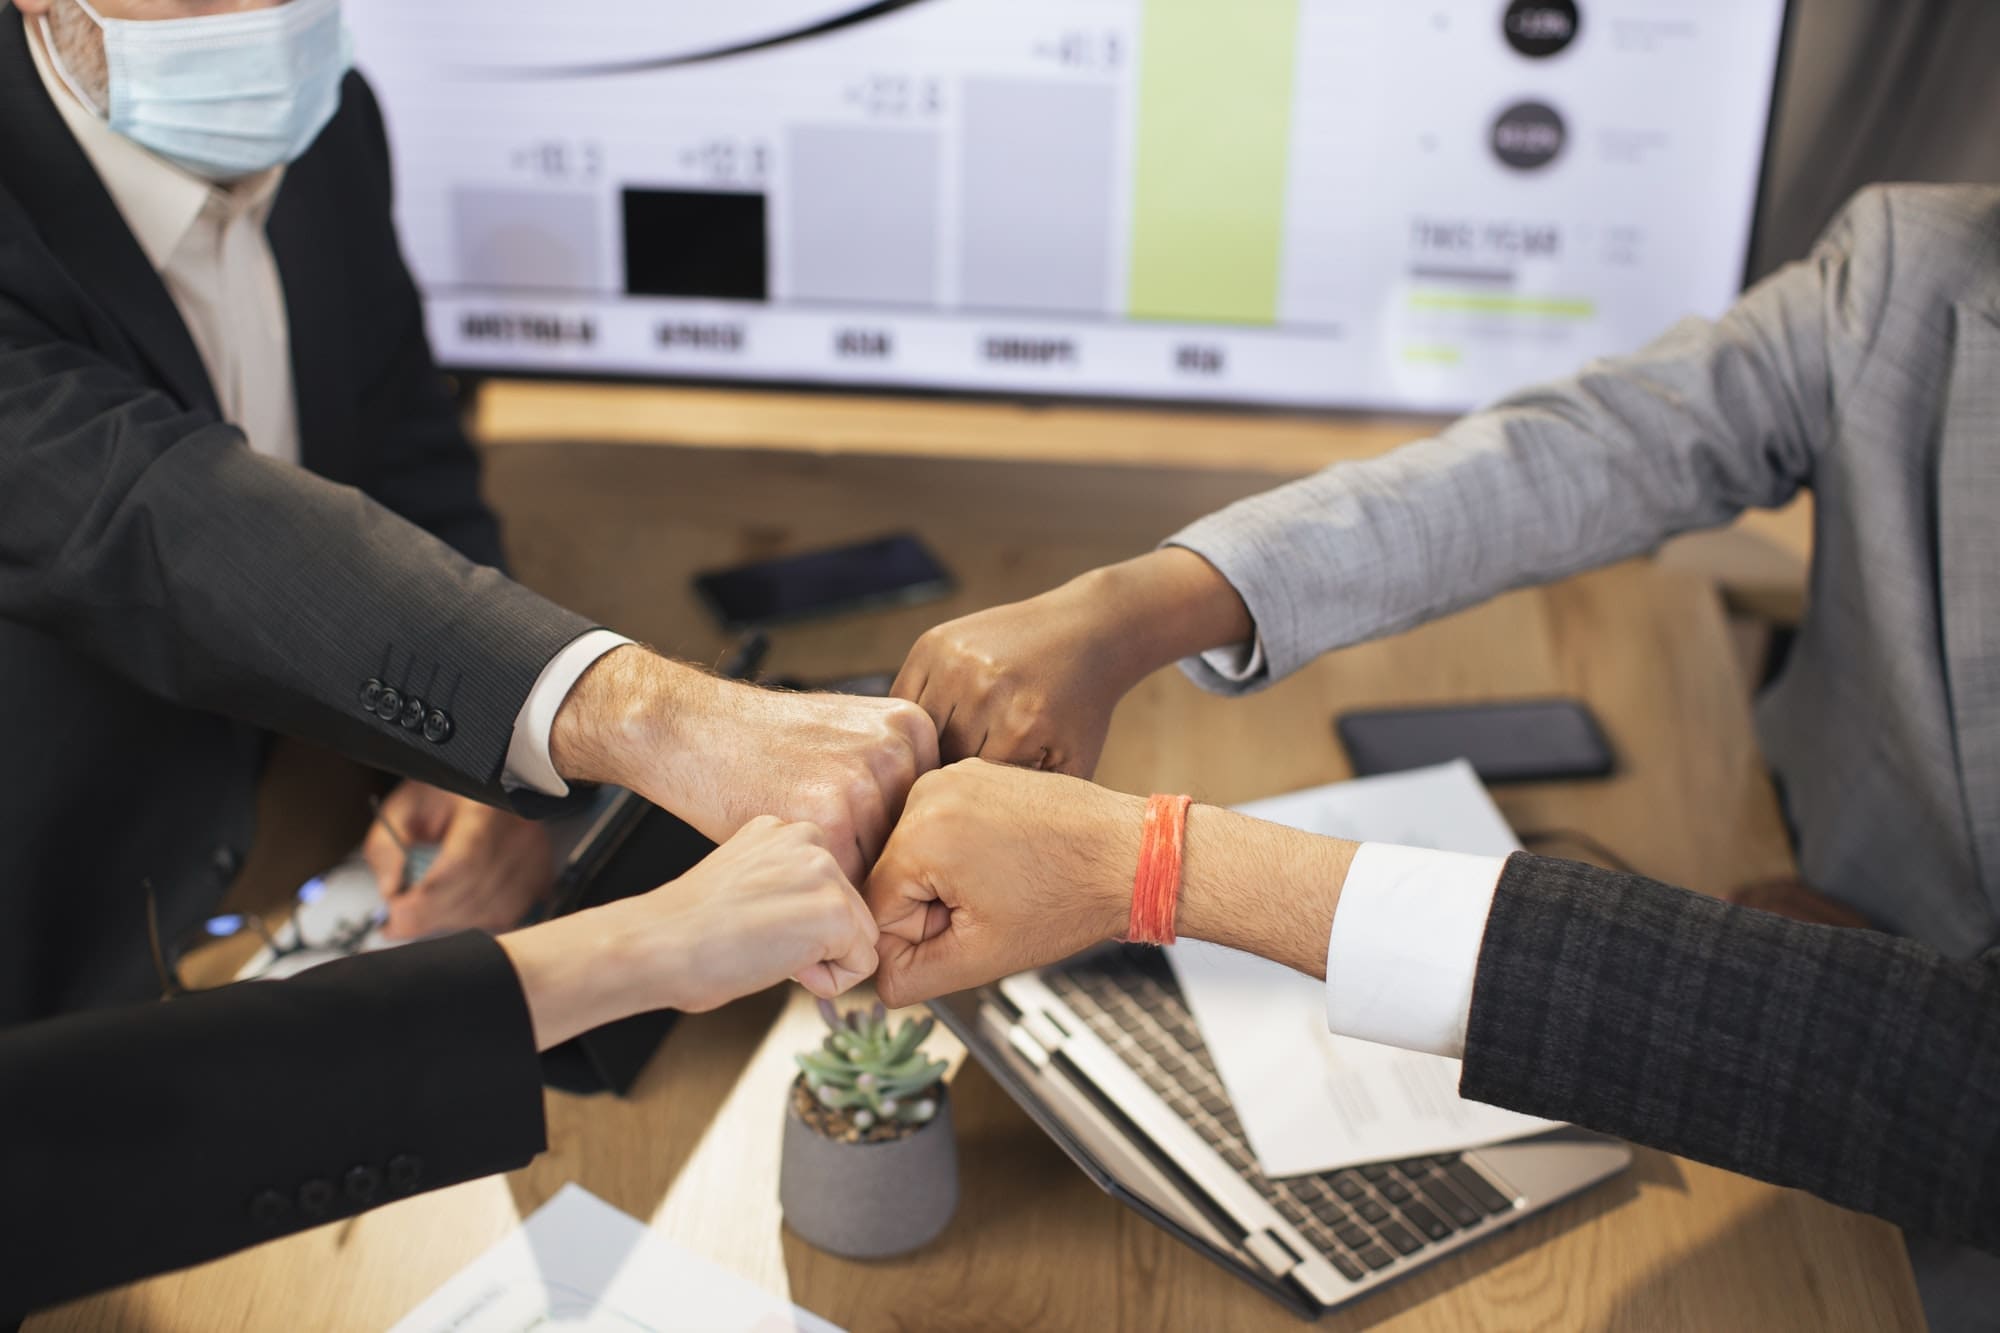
1215	111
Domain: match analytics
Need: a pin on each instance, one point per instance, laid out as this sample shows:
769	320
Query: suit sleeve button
269	1208
412	715
405	1170
315	1197
438	727
389	704
371	691
362	1183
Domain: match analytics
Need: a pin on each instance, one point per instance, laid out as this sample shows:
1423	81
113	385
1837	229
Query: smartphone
889	571
1533	740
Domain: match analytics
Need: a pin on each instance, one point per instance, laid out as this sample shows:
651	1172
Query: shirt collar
159	201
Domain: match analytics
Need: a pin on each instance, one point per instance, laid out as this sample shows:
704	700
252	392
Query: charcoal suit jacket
168	597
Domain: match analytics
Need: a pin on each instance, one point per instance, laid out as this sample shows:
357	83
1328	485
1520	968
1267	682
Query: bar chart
1316	202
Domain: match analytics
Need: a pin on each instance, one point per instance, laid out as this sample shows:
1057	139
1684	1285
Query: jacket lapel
53	180
308	248
1969	572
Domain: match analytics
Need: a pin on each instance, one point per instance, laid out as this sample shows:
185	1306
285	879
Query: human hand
1035	682
769	903
491	866
718	753
996	869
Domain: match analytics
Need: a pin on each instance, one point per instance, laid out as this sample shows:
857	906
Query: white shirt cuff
528	764
1404	949
1239	663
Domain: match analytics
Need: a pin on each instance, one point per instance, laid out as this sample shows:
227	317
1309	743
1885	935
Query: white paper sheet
580	1264
1309	1100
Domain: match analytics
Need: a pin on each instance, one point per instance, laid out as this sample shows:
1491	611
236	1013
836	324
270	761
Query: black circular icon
1528	135
1540	28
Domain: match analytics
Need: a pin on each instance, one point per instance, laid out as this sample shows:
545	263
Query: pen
409	852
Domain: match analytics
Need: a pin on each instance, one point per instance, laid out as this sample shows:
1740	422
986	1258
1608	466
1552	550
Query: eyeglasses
332	916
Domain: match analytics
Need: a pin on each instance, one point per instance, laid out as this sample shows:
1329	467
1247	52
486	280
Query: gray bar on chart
538	239
1037	178
861	215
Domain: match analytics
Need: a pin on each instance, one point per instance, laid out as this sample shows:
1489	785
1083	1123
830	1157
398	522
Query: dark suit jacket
139	1140
1860	1066
166	595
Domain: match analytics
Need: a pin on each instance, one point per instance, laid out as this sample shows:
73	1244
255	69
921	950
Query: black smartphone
1530	740
889	571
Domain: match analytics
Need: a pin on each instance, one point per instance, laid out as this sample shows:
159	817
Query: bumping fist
996	869
1035	682
719	753
770	903
836	761
1030	683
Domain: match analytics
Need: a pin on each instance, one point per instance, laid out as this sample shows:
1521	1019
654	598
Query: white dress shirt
209	246
1404	948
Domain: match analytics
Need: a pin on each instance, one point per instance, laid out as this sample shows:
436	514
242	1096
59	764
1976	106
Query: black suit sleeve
140	1140
155	541
1861	1067
425	469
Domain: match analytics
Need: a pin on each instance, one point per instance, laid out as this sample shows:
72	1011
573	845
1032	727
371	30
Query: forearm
1708	420
1160	607
583	971
630	719
1260	887
230	1117
1858	1066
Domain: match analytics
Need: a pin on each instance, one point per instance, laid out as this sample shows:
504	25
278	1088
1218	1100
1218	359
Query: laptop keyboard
1363	1219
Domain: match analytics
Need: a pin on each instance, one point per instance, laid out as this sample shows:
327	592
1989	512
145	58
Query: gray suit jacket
1869	373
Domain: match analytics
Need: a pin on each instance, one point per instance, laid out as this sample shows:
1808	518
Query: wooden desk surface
1673	1245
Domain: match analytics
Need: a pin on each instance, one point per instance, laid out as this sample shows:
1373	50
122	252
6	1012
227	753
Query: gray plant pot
869	1200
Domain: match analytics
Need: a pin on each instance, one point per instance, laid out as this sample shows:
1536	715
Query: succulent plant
873	1071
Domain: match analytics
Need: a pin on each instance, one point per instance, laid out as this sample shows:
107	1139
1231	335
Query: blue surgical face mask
224	95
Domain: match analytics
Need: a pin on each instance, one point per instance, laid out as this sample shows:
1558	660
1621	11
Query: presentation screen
1303	203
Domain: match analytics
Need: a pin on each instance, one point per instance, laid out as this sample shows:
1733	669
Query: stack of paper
1310	1101
579	1263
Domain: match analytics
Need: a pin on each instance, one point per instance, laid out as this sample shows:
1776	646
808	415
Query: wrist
566	988
1168	604
627	714
1262	888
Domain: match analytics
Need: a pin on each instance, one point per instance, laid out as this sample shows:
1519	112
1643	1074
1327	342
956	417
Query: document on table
1312	1101
579	1263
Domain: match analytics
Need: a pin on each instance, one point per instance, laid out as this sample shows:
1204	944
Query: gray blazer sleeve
153	540
1859	1066
1711	419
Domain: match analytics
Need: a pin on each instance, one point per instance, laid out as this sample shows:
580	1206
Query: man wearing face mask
235	499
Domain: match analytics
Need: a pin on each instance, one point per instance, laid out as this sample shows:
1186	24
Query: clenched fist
768	904
719	753
1034	682
996	869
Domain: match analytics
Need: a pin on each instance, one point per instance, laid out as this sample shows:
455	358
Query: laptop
1103	1053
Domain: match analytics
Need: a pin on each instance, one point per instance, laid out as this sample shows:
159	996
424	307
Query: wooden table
616	532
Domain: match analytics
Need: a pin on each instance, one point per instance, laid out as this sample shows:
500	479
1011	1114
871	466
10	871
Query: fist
994	870
1031	683
841	763
770	903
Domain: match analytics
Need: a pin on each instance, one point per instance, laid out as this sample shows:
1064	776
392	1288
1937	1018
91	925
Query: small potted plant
870	1165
